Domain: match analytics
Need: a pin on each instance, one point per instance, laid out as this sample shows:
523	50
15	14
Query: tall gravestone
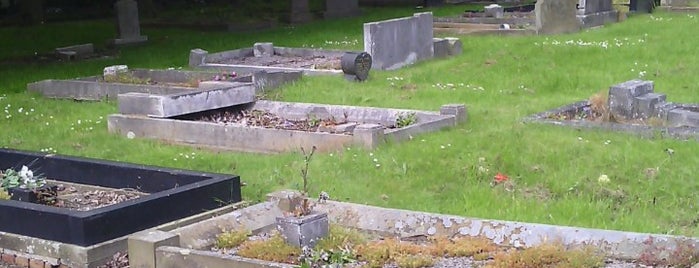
341	9
128	25
299	12
556	16
395	43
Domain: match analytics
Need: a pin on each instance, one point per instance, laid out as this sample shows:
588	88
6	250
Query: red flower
501	178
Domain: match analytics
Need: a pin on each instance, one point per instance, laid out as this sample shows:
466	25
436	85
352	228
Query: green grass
554	169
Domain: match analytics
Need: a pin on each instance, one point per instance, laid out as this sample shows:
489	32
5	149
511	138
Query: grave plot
95	204
266	56
242	124
361	236
119	79
680	5
633	107
495	20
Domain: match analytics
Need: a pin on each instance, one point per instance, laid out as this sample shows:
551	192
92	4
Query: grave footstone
299	12
356	66
556	16
128	25
341	9
494	11
263	49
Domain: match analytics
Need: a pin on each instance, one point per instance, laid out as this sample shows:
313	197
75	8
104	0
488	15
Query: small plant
273	249
405	119
4	195
306	207
24	178
414	261
232	239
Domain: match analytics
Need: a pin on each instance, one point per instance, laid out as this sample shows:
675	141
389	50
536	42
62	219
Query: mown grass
554	169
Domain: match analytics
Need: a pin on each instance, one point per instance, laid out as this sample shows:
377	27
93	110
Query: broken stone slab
647	105
622	97
75	52
221	95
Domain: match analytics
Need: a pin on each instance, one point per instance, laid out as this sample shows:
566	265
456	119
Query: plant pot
305	230
34	195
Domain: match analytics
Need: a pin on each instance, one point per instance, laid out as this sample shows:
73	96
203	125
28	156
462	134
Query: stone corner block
142	246
197	57
368	135
263	49
459	111
140	103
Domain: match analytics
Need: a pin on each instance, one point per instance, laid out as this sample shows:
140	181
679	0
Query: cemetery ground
545	174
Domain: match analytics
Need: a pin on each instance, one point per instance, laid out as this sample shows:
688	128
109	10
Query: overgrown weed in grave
232	239
272	249
126	78
599	106
549	255
406	119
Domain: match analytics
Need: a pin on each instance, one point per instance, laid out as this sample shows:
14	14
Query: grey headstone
263	49
441	47
455	46
495	11
556	16
595	6
623	96
641	6
341	8
414	34
128	25
197	57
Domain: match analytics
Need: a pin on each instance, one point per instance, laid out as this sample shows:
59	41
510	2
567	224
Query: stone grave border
367	133
202	59
81	238
645	131
189	245
482	26
90	88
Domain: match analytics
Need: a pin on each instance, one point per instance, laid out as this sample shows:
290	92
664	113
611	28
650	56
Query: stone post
368	135
457	110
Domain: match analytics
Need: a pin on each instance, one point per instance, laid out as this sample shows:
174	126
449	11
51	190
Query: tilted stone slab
222	95
369	133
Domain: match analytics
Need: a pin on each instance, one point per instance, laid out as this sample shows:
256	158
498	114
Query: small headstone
441	47
114	70
556	16
300	12
356	66
495	11
128	25
341	8
455	46
622	98
263	49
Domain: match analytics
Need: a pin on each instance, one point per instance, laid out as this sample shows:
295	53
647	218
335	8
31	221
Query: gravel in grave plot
313	62
260	118
87	197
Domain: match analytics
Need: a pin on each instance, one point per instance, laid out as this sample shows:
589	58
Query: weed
232	239
306	207
548	255
406	119
126	78
4	195
599	106
340	237
414	261
273	249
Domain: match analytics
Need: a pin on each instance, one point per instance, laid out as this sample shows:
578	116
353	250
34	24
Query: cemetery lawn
553	171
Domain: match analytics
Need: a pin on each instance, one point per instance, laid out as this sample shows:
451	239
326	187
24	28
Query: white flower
603	179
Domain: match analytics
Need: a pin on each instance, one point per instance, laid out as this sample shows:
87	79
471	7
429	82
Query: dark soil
87	197
582	113
314	62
